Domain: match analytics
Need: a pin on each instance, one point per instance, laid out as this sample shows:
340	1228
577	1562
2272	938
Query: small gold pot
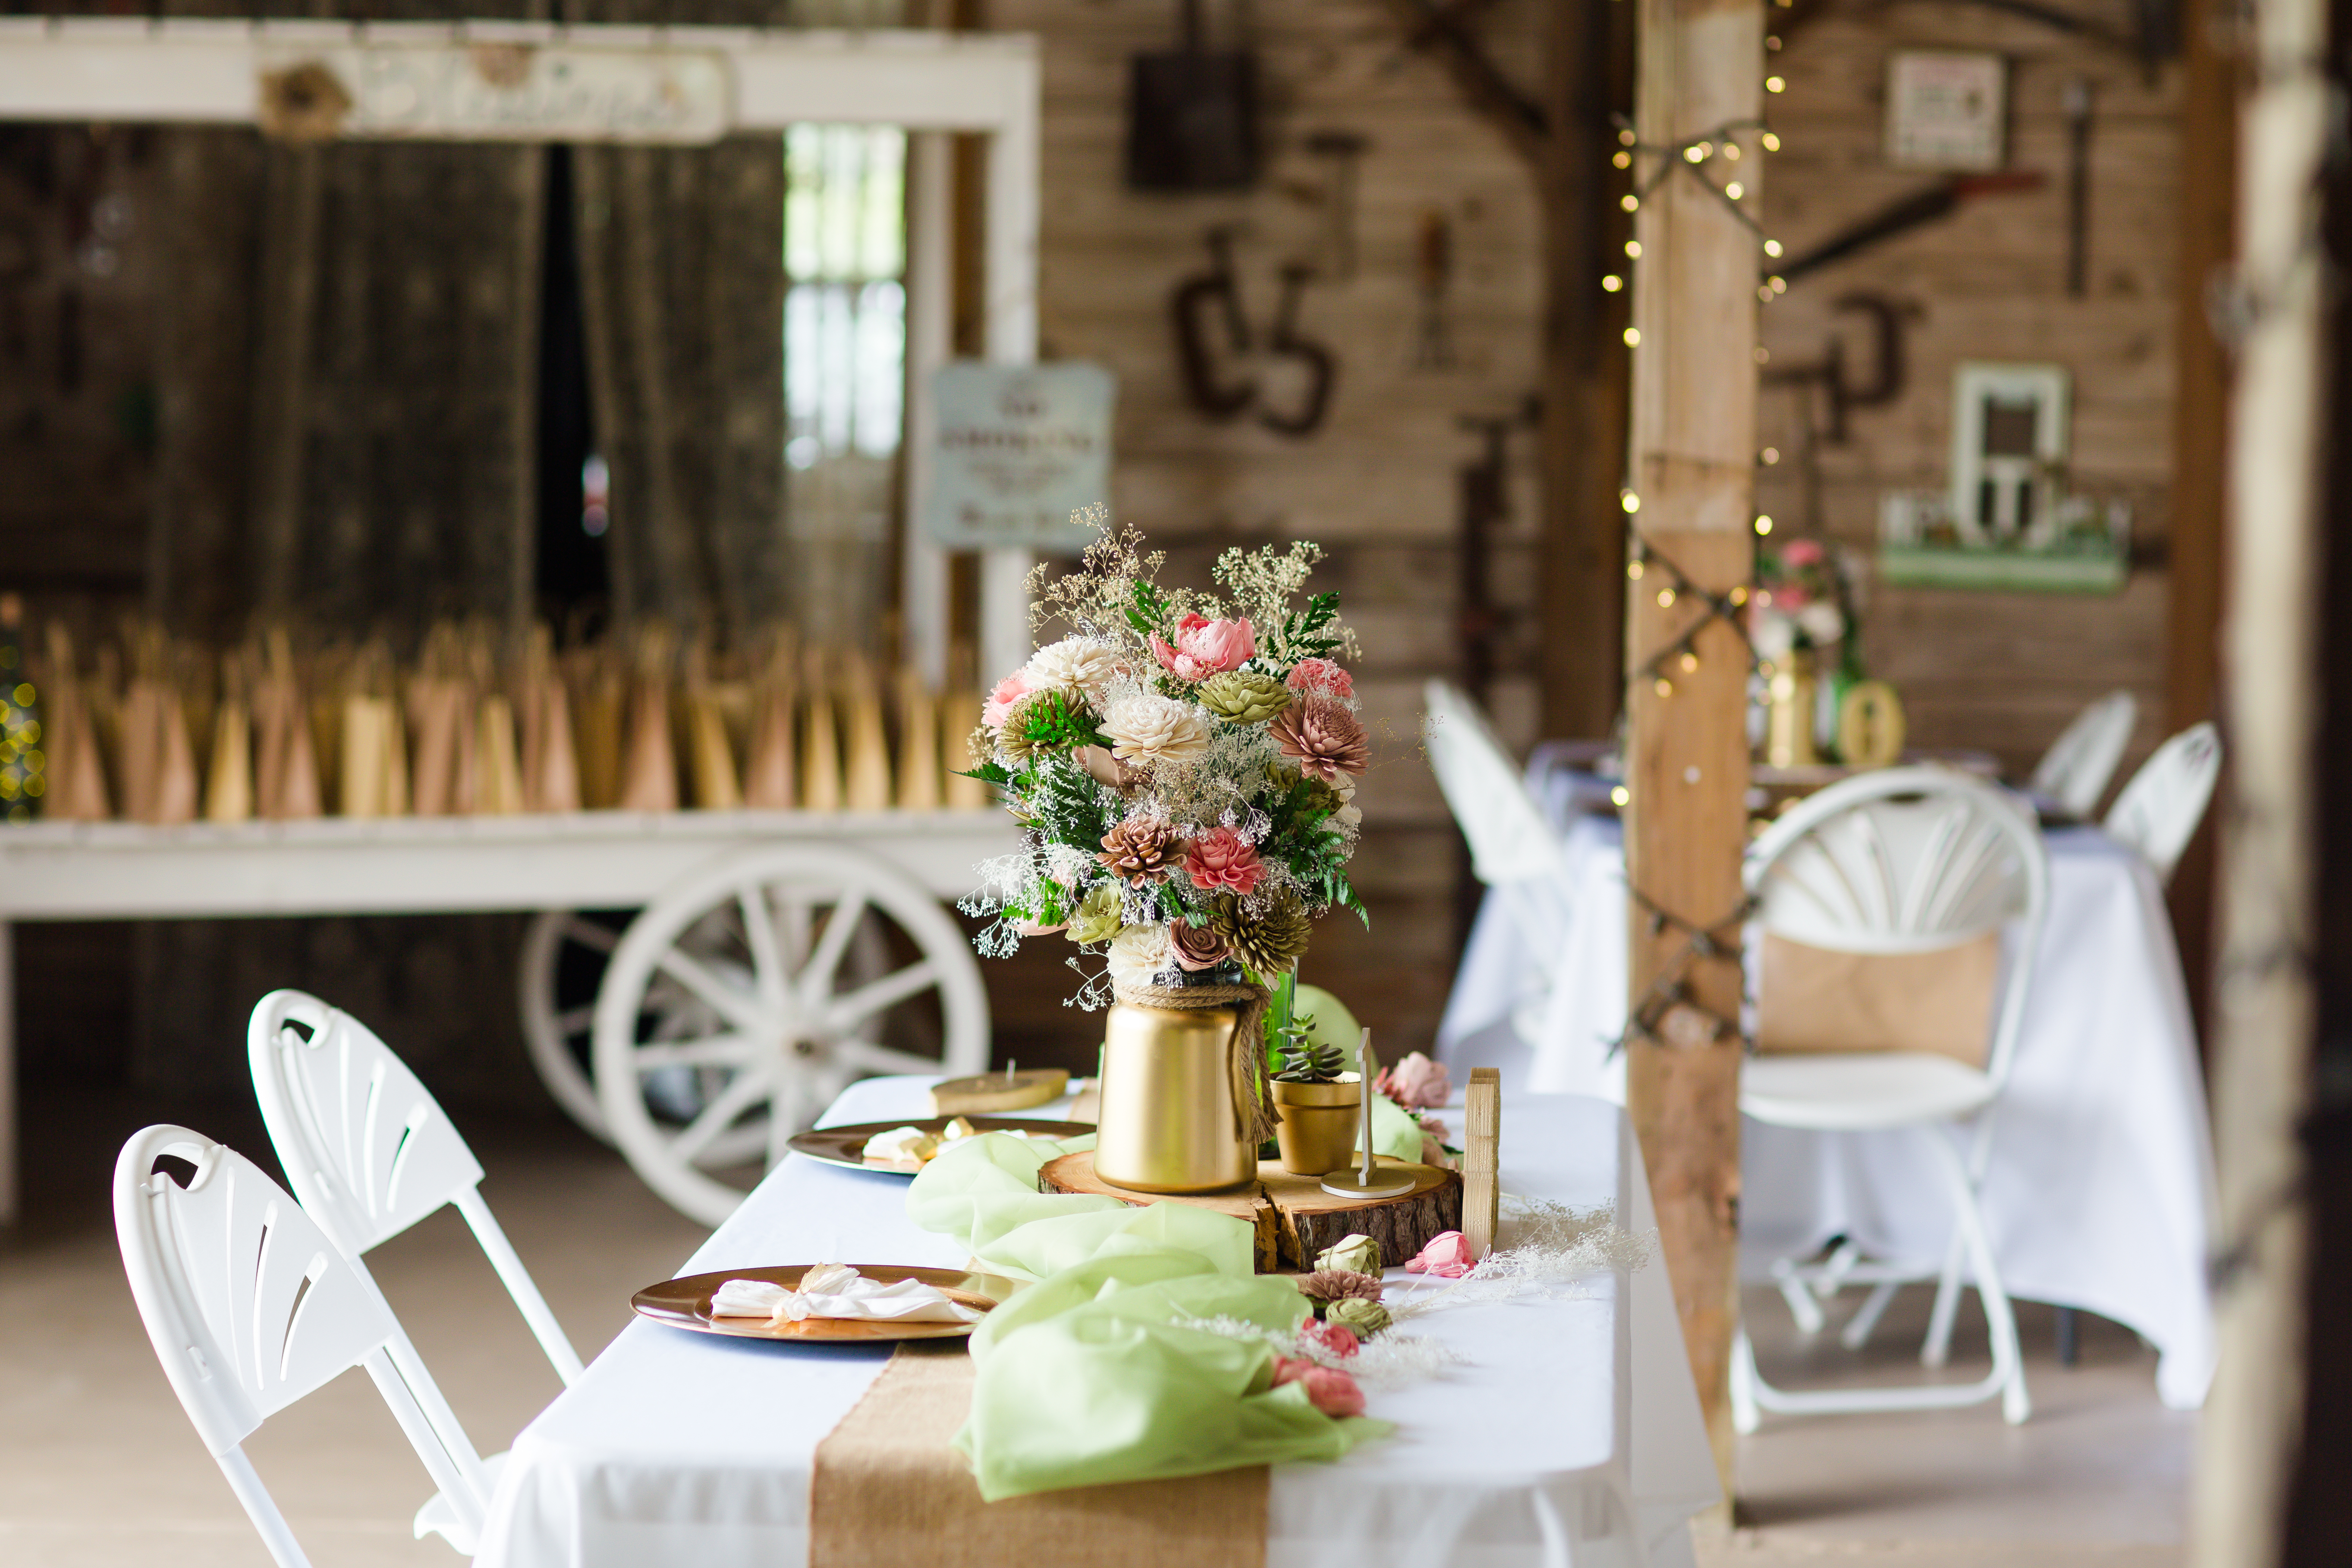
1319	1125
1167	1119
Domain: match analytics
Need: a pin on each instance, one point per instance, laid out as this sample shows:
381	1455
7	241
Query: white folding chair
369	1151
1906	860
250	1307
1509	840
2157	811
2073	772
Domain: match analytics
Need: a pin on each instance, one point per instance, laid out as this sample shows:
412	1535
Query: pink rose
1204	647
1803	552
1335	1338
1447	1257
1321	677
1330	1390
1221	860
1009	690
1416	1083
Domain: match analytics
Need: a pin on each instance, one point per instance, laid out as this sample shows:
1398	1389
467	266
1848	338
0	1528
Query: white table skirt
1571	1440
2100	1190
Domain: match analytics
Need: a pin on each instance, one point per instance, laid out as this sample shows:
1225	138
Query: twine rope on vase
1253	1117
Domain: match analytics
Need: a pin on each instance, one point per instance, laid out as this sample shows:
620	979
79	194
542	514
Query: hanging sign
492	91
1946	109
1019	448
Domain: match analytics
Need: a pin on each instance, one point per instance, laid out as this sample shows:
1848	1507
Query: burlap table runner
888	1492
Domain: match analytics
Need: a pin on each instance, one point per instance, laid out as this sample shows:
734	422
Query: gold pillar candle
1167	1122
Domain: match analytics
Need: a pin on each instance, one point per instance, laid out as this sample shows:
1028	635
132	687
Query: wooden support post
1692	471
1588	76
1481	1197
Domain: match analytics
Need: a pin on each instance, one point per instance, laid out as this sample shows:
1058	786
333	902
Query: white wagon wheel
743	1001
564	958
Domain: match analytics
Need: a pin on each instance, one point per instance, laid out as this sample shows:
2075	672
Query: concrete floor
98	1468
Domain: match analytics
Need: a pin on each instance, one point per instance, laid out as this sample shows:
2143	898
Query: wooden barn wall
2001	671
1377	484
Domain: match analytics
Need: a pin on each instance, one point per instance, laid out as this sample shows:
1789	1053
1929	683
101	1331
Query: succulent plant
1305	1060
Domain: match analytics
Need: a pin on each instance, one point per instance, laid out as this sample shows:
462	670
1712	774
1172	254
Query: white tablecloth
2100	1192
1572	1439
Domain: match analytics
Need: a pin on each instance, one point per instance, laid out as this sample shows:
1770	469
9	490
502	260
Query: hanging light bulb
1611	283
1622	160
1619	796
1626	137
1665	687
1738	595
1764	526
1665	598
1629	501
1630	201
1633	249
1775	84
1689	663
1735	190
1772	142
1633	337
1634	568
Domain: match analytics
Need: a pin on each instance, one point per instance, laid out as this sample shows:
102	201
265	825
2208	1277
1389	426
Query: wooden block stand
1293	1217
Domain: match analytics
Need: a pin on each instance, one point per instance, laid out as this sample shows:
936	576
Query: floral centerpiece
1183	767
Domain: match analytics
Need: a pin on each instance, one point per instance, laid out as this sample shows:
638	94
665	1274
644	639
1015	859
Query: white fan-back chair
250	1307
1903	861
2073	772
369	1150
1509	840
2157	813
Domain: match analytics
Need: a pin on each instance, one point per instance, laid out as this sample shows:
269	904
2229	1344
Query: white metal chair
1509	840
250	1307
2073	772
2157	811
1904	860
369	1150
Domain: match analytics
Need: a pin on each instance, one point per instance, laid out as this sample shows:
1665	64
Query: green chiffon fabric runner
1090	1374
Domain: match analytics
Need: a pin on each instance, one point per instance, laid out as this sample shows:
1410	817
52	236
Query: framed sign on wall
1947	109
1019	448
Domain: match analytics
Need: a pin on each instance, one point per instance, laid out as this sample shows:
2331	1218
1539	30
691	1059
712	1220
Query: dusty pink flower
1009	690
1803	552
1447	1257
1330	1390
1204	647
1337	1339
1223	861
1416	1083
1321	677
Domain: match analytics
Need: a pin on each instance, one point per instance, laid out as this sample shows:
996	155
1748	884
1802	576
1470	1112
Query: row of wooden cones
167	731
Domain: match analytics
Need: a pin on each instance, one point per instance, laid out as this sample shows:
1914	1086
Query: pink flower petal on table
1447	1257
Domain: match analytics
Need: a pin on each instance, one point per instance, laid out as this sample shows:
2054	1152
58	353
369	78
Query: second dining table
2099	1191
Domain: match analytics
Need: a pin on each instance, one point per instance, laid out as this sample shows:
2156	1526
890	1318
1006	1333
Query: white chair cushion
1834	1092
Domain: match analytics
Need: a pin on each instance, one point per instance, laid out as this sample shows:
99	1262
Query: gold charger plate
845	1146
686	1304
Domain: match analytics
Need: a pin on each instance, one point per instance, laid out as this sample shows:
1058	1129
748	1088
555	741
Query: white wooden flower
1149	728
1138	953
1079	665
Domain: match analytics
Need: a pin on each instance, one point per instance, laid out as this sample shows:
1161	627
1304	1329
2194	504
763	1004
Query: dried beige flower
1149	728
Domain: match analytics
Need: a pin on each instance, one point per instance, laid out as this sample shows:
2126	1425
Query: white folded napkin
837	1290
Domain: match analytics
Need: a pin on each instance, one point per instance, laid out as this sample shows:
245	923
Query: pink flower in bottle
1320	677
1222	861
1204	647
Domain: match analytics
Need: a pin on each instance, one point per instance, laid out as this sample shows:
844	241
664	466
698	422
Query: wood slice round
1293	1217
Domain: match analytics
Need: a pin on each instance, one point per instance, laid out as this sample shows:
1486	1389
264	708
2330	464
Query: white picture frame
1947	109
2010	426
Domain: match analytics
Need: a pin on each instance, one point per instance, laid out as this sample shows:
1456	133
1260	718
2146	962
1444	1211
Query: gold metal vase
1167	1122
1320	1123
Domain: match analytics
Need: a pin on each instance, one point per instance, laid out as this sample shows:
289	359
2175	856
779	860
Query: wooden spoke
767	959
870	1058
741	1011
851	1007
817	977
588	933
713	1050
751	1086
